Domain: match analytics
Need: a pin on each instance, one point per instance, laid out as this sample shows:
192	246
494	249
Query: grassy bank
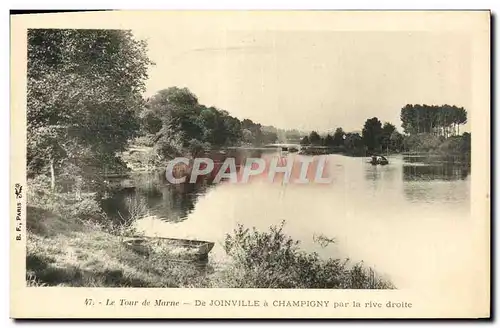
72	243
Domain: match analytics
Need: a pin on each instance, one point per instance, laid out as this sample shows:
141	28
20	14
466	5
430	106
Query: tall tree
461	118
338	137
314	138
396	141
353	143
328	141
179	111
442	120
372	134
387	131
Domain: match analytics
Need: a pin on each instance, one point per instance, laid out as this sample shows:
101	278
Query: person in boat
379	160
382	160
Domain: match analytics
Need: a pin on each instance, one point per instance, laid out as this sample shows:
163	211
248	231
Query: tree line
424	126
177	122
442	120
85	105
375	136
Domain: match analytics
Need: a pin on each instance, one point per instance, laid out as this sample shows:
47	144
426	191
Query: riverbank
72	243
453	148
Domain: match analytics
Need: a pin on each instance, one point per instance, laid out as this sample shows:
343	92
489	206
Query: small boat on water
378	160
184	250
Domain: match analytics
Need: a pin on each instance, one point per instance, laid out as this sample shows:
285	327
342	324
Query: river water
407	220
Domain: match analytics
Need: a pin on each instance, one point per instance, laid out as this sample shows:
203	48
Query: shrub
422	142
147	141
86	209
45	206
274	260
136	207
456	145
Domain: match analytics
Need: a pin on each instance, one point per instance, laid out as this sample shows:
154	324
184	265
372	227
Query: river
407	220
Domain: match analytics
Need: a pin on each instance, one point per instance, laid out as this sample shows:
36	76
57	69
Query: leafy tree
293	136
387	131
247	136
83	95
179	112
442	120
269	137
150	123
372	134
461	118
353	143
184	120
396	141
328	141
255	129
338	137
305	141
314	138
234	132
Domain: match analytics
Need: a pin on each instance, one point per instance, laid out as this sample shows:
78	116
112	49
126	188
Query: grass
96	259
66	248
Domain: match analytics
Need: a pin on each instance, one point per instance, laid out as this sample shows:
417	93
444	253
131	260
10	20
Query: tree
314	138
83	95
292	135
185	122
255	128
387	131
328	141
353	143
372	134
150	123
247	136
305	141
461	118
269	137
442	120
179	112
338	137
233	130
396	141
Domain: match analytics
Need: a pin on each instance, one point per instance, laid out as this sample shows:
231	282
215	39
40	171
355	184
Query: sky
312	79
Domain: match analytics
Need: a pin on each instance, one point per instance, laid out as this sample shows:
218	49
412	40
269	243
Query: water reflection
413	179
438	171
376	214
431	179
156	197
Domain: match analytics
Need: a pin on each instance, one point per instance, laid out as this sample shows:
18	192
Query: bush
456	145
422	142
82	207
136	207
86	209
146	141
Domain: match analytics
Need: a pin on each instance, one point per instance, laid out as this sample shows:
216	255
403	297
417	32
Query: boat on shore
174	249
